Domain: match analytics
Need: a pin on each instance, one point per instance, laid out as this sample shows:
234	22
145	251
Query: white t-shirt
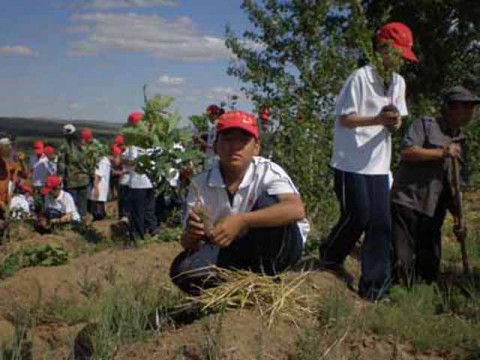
262	176
137	181
102	170
39	166
63	203
19	203
367	149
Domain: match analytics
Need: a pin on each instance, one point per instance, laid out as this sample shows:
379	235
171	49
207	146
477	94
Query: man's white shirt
368	149
41	167
137	181
64	203
262	176
102	170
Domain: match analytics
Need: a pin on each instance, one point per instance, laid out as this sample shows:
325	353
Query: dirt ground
243	333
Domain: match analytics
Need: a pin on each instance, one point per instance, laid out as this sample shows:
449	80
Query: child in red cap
369	107
242	213
141	195
21	204
59	205
86	135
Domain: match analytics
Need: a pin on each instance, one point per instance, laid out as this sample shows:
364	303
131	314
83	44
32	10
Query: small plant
20	348
41	255
213	348
88	287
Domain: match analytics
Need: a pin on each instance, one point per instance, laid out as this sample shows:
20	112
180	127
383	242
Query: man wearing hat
422	189
72	168
59	205
242	213
369	107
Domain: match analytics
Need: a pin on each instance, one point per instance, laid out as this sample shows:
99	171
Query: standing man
141	195
422	190
72	169
369	107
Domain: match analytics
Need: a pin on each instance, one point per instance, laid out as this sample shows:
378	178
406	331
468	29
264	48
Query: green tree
294	61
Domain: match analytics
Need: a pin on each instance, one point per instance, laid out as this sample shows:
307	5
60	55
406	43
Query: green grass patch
40	255
418	316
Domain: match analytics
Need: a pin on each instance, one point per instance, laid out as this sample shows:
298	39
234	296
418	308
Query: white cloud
168	80
152	34
222	93
116	4
17	50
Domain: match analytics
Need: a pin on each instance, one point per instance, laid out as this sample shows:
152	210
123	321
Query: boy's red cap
399	36
119	140
52	182
135	117
38	147
49	150
238	120
86	135
116	150
25	188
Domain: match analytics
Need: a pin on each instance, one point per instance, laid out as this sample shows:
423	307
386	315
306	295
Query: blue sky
88	59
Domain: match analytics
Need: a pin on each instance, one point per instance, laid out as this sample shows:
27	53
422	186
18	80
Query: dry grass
272	297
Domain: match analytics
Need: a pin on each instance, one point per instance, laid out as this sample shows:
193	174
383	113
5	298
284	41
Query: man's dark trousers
365	207
142	212
417	243
80	198
267	251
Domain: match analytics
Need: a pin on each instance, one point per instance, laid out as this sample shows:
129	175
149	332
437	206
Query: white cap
69	129
5	141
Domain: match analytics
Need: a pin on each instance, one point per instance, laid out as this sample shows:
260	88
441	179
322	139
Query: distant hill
27	130
52	128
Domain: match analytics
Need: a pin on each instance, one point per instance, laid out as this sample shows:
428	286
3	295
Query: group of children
244	211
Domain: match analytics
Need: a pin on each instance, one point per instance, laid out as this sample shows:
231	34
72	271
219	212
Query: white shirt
262	176
63	203
19	205
367	149
137	181
39	167
102	170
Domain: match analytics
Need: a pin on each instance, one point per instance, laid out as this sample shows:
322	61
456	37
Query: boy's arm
289	209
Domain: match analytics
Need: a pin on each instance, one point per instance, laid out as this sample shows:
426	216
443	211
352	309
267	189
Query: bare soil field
50	305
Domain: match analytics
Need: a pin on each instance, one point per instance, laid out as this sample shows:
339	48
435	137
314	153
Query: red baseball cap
25	188
399	36
238	120
49	150
38	147
116	150
135	117
52	182
86	135
119	140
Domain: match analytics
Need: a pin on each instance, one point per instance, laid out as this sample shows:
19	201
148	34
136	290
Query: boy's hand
194	232
228	229
389	116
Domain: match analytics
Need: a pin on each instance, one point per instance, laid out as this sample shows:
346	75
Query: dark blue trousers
365	208
142	212
262	250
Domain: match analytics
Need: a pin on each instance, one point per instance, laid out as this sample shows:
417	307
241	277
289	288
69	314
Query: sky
89	59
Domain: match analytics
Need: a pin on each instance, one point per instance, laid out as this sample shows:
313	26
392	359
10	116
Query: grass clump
126	315
416	316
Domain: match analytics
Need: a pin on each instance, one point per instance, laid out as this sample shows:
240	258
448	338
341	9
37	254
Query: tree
447	34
